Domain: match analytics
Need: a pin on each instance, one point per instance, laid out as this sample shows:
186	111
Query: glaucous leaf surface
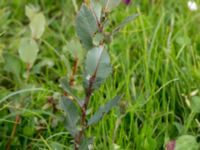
30	11
67	88
186	142
97	9
75	49
85	143
37	25
112	4
97	64
13	64
98	39
195	104
109	5
28	50
86	26
72	114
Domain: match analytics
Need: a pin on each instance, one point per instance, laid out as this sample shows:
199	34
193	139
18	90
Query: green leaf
13	65
28	130
64	82
37	25
75	49
186	142
44	62
125	22
56	145
86	26
111	4
103	3
65	85
98	65
85	143
108	106
104	110
96	117
98	62
97	9
72	115
195	104
98	38
30	11
183	40
28	50
37	21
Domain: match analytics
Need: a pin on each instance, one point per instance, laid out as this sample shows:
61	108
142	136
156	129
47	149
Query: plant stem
74	70
88	92
28	69
17	120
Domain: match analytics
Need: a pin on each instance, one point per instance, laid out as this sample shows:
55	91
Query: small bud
171	145
127	2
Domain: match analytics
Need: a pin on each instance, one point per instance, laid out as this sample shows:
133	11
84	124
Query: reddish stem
89	91
17	120
74	70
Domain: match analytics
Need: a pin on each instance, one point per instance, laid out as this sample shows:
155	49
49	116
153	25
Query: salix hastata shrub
91	21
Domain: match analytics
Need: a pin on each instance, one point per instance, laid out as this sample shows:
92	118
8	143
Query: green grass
156	61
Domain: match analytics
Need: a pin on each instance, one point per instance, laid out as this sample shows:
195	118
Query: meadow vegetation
155	63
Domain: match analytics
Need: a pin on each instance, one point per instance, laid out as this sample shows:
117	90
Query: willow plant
91	22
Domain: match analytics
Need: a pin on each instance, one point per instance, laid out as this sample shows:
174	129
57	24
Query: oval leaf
30	11
86	26
75	49
186	142
97	9
72	114
98	65
111	4
28	50
195	104
14	65
37	25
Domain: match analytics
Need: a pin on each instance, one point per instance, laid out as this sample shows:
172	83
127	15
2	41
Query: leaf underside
72	114
98	64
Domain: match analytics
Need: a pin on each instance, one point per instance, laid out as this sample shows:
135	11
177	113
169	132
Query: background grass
156	64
